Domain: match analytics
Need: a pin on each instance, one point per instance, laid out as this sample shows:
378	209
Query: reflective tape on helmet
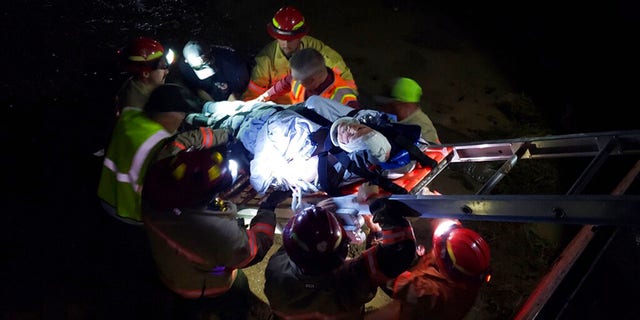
152	56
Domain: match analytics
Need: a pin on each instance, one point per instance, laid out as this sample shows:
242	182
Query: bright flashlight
170	56
233	168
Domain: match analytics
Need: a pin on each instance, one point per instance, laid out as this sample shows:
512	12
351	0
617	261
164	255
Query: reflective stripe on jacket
271	65
198	252
340	90
135	136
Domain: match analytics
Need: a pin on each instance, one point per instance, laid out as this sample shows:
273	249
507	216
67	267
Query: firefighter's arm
281	87
334	59
202	137
395	251
199	138
263	225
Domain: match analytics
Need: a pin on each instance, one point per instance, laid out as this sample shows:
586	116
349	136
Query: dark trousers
234	304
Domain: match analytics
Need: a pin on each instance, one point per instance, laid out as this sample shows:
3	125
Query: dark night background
577	60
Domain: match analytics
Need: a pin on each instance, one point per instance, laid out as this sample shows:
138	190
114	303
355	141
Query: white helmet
195	57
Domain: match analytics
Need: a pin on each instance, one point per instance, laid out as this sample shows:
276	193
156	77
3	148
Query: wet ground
575	63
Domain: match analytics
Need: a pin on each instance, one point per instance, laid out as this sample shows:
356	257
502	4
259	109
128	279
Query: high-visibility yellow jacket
135	140
271	65
134	137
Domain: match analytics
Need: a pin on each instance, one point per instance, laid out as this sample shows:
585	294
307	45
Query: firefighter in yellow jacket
289	29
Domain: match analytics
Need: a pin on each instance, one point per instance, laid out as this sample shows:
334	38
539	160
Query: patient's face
348	132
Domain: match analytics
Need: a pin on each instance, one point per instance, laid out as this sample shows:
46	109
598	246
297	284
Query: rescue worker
311	77
444	283
213	72
402	99
138	134
310	277
147	62
289	29
197	241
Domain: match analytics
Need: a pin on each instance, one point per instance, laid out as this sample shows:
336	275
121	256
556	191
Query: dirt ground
488	71
462	91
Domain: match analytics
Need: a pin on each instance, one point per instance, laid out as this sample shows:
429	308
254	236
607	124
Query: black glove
274	199
391	212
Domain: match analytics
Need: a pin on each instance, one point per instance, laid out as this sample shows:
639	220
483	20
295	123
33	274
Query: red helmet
287	24
141	55
189	178
315	240
462	253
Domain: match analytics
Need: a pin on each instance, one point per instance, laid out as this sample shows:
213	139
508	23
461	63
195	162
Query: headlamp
195	62
165	61
195	57
170	57
233	168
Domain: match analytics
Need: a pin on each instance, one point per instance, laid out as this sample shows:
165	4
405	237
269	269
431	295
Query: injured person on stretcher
318	145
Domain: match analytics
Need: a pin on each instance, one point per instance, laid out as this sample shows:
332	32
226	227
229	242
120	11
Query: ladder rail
563	209
615	209
596	163
559	146
547	286
504	169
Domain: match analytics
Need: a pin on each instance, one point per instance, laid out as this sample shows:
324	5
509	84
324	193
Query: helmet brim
286	35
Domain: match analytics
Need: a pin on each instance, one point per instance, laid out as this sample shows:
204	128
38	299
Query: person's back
310	276
289	29
215	73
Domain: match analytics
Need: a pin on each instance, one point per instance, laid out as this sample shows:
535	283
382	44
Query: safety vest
271	65
134	138
340	90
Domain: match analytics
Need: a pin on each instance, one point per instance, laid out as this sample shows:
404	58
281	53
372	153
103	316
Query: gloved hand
198	120
391	212
263	97
327	204
274	198
231	137
366	192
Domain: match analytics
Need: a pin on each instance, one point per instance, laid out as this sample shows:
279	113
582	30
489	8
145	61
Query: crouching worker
310	277
198	244
445	282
